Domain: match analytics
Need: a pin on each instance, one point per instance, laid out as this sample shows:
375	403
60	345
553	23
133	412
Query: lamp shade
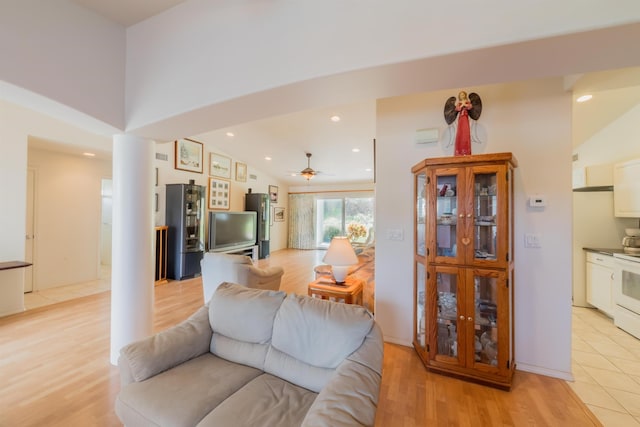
340	252
340	256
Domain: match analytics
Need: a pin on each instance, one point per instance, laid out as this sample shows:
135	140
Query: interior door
29	246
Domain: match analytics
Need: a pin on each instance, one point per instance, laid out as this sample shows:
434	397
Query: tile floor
606	368
63	293
605	359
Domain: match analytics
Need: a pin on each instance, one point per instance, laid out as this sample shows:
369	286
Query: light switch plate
532	241
395	234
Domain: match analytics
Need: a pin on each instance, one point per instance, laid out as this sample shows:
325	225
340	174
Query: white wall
533	121
13	186
255	49
66	53
617	142
17	124
68	217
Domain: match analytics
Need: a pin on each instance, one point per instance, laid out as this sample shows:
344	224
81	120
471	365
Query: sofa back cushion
242	322
218	268
311	337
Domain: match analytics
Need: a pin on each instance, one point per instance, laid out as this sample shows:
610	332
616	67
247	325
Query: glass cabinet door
420	298
446	320
421	213
485	216
486	288
447	226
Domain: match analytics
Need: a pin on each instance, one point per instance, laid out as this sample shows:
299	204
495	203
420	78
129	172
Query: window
344	216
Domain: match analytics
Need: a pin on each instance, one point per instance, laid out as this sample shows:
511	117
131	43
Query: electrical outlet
532	241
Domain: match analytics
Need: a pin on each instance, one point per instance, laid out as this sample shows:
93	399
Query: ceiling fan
308	173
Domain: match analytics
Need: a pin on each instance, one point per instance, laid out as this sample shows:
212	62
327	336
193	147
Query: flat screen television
231	230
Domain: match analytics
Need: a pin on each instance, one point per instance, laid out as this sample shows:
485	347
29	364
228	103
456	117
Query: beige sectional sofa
254	357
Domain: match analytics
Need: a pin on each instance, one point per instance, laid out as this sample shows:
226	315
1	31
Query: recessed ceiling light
584	98
267	158
355	150
230	134
87	154
335	118
368	170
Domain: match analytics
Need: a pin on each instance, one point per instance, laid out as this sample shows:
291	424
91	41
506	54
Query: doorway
30	242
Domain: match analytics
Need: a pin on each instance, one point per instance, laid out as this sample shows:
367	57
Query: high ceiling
287	138
128	12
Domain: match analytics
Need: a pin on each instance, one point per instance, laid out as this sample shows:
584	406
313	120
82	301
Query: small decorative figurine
463	108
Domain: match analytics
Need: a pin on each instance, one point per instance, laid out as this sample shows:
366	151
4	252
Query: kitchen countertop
605	251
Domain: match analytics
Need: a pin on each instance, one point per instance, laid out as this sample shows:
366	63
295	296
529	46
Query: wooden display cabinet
463	266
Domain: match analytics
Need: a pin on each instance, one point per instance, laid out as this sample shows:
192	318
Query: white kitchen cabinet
600	271
626	189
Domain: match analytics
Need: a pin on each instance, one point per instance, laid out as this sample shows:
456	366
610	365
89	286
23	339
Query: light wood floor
55	371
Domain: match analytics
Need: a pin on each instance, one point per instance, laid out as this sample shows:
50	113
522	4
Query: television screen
229	230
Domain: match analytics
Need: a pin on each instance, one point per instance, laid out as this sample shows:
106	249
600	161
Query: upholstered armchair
219	267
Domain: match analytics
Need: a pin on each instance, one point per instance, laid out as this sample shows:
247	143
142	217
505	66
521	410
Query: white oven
627	294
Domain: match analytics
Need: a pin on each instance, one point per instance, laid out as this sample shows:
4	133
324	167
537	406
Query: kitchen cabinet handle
462	317
470	319
612	276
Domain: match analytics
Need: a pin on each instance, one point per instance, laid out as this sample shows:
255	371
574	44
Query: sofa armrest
150	356
260	278
349	399
268	272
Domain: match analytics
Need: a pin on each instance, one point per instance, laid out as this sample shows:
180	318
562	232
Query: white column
132	268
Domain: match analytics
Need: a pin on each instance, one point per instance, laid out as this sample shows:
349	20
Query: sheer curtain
302	218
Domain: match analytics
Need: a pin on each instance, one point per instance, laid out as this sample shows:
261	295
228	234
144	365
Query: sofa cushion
242	323
265	401
296	371
182	396
319	332
243	313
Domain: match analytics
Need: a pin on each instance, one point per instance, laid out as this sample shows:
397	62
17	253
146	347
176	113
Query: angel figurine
463	108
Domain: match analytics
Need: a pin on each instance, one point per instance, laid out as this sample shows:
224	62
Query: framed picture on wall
219	166
219	193
188	155
273	193
241	172
278	214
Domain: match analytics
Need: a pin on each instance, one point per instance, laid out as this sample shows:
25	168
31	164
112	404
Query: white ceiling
128	12
287	138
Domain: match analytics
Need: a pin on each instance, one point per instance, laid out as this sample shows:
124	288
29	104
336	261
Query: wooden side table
349	293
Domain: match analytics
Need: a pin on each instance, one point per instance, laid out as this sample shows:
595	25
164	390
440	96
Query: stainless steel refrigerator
260	203
185	216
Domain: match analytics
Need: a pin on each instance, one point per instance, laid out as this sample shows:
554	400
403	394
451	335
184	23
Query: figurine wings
450	112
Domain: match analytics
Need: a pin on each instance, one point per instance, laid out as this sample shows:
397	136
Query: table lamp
340	256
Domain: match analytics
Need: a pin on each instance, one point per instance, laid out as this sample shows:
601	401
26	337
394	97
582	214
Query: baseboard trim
398	341
567	376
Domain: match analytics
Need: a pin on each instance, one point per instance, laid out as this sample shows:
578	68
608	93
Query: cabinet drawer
600	259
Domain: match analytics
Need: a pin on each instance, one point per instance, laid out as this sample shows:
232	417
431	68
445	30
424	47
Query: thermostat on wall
537	201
